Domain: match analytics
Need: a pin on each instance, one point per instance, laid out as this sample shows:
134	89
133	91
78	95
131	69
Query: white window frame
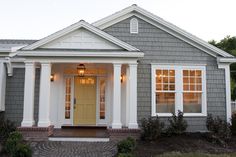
179	88
134	23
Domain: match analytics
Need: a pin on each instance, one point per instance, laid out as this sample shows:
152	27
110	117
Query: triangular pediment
81	39
81	36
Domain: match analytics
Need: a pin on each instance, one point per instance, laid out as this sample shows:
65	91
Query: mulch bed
194	142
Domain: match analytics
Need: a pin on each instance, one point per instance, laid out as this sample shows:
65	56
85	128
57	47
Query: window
102	83
165	90
192	91
134	25
67	98
178	88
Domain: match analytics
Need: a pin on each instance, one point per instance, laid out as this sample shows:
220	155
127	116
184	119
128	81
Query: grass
178	154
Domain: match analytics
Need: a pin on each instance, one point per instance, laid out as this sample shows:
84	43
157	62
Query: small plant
219	130
177	124
151	128
6	127
126	146
15	147
233	124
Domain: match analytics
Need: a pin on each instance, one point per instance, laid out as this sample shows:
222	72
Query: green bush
6	127
126	146
177	124
15	147
151	128
233	124
219	130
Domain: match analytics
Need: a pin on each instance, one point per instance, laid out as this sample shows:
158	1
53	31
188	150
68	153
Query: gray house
114	72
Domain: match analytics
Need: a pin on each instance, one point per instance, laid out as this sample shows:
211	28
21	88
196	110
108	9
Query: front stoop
36	133
120	134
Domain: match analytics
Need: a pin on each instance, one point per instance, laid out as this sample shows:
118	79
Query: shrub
15	147
126	146
6	127
151	128
219	130
177	124
233	124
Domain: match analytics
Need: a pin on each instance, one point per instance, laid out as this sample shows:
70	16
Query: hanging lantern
81	69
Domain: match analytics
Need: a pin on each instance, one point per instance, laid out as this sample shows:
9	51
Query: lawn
189	145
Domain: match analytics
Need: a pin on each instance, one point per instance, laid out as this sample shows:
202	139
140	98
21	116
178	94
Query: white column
116	120
44	95
28	113
132	95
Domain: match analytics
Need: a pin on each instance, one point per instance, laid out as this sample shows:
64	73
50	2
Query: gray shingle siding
15	96
161	47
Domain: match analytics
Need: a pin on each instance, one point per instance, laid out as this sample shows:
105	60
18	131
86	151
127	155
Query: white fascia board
105	22
77	26
80	54
226	60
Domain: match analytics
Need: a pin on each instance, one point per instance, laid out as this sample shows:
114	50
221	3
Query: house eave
121	54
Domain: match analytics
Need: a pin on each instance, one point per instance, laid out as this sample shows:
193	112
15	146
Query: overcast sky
35	19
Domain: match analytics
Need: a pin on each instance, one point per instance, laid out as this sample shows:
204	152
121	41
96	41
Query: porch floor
81	132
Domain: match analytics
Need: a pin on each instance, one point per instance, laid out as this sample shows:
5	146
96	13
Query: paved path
73	149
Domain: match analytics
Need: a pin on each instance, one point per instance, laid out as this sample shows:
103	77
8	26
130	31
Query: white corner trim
176	31
80	24
226	67
2	86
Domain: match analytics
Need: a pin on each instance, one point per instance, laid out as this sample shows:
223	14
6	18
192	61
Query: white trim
226	67
80	24
78	139
2	86
84	60
183	35
178	89
226	60
69	53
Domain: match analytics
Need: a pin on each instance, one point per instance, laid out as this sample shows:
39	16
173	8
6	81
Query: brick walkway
73	149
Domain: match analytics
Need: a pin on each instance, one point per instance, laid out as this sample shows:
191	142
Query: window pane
192	72
158	87
171	72
165	73
185	72
102	98
198	73
186	80
172	80
67	97
192	102
165	102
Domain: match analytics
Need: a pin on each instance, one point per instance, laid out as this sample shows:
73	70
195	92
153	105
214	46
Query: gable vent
134	25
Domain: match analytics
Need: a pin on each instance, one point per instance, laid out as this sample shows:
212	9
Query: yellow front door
85	101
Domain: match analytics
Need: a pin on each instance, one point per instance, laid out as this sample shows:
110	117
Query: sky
35	19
